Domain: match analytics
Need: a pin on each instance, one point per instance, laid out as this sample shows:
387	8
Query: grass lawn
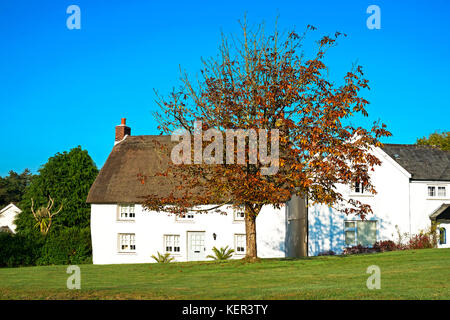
415	274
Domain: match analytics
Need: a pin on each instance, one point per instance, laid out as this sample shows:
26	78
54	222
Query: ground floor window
239	243
127	242
360	232
442	236
172	243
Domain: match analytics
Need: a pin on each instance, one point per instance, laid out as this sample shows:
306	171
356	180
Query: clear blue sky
61	88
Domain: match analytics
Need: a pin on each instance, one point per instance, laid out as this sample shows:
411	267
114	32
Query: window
442	236
239	243
126	212
437	192
127	242
172	243
359	188
185	217
360	232
239	216
431	191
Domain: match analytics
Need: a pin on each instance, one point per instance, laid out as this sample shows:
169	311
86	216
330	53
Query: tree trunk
250	231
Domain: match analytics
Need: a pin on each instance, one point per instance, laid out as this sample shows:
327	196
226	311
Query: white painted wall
8	215
390	208
398	202
150	227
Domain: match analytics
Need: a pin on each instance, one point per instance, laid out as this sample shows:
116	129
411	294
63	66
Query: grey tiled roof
422	162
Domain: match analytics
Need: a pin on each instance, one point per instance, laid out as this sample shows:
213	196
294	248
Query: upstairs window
172	243
359	187
431	191
360	232
126	212
185	217
127	242
437	192
239	216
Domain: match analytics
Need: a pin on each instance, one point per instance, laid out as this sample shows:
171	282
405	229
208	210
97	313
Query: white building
7	216
413	185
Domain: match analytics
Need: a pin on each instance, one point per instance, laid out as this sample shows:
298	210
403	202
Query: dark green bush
19	250
65	246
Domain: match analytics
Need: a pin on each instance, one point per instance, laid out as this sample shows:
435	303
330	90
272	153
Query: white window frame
172	241
126	212
238	216
362	191
240	243
355	230
128	240
437	194
186	217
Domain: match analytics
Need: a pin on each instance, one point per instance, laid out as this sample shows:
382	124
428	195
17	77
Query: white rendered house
7	216
413	185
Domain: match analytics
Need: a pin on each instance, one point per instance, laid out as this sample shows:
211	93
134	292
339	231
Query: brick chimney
122	130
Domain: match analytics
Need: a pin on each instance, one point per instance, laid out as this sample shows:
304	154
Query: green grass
415	274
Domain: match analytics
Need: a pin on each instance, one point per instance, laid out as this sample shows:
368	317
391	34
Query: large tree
440	140
13	186
261	81
65	179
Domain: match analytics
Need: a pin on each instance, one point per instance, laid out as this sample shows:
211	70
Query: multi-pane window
239	216
126	212
127	242
431	191
437	191
185	216
359	187
360	232
172	243
239	243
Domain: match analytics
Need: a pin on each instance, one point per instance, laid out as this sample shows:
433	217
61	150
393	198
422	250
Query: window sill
126	253
437	198
174	254
185	221
361	195
123	220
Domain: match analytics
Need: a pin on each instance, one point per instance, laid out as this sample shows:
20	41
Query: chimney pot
124	121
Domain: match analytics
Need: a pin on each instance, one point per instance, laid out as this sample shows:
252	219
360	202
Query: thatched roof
119	181
423	162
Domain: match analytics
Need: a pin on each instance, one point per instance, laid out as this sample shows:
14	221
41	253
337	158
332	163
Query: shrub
163	258
327	253
358	249
221	254
421	241
386	245
66	246
18	250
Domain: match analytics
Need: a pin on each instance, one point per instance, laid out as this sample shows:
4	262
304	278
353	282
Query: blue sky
61	88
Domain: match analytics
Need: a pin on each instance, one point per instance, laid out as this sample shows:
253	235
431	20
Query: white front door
196	246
